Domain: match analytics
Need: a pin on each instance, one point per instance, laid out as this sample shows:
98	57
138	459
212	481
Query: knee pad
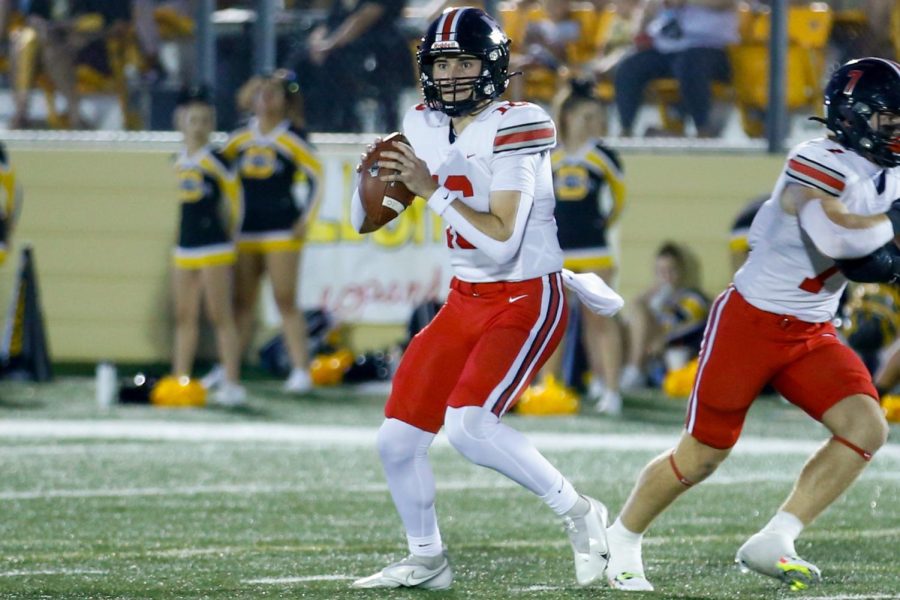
398	441
467	428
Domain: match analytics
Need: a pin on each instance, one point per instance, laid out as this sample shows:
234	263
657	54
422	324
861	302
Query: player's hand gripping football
411	170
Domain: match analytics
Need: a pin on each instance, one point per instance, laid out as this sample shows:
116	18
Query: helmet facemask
458	96
870	132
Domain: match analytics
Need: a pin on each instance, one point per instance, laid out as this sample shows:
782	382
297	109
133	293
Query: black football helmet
856	91
471	32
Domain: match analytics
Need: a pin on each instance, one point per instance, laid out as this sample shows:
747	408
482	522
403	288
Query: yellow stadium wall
102	224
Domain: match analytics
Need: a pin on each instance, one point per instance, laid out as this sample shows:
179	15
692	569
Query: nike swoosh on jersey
517	298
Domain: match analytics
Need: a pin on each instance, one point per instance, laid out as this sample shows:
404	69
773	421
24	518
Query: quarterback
484	166
832	216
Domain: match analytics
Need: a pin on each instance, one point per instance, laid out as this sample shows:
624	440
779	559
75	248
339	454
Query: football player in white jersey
484	166
832	216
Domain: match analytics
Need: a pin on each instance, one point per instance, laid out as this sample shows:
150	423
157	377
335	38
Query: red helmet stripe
442	32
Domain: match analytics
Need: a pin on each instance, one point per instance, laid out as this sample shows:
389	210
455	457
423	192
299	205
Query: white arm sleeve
836	241
512	173
357	213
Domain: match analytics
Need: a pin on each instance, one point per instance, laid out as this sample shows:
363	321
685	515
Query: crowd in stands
693	59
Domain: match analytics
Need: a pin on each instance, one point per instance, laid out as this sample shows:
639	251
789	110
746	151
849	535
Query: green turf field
285	499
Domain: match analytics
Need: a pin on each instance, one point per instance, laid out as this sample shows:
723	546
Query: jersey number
461	184
853	77
814	285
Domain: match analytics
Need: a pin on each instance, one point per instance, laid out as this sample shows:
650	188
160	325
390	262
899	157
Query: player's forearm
849	220
839	234
497	236
487	223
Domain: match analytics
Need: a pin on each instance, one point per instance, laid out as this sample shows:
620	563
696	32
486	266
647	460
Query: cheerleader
590	194
211	208
280	175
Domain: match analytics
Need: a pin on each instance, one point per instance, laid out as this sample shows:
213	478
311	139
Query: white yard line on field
348	436
52	572
249	489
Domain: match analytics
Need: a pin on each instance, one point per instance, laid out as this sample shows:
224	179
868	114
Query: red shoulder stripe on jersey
810	173
524	137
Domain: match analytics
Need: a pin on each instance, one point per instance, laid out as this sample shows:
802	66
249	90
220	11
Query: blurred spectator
871	321
624	30
544	44
147	16
358	52
56	34
590	192
739	241
687	40
863	28
667	321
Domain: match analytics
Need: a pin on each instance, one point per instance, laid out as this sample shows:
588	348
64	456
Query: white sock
581	508
480	436
563	499
625	555
429	545
785	523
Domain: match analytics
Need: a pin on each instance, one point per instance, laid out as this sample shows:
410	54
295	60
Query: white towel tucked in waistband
593	292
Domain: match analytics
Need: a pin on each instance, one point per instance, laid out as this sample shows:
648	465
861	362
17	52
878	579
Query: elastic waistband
780	320
486	288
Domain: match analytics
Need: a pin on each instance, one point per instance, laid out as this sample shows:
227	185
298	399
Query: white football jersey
465	166
785	273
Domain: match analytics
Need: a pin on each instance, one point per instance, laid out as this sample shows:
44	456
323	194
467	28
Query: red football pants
744	348
482	348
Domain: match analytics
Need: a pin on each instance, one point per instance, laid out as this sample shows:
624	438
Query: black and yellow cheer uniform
8	201
211	209
590	194
279	174
681	313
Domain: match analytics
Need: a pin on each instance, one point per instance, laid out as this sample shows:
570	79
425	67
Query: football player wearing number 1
832	216
505	312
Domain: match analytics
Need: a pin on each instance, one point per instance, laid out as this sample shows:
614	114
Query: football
382	201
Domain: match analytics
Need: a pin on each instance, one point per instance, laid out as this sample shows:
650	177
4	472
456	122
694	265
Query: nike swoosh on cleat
409	579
